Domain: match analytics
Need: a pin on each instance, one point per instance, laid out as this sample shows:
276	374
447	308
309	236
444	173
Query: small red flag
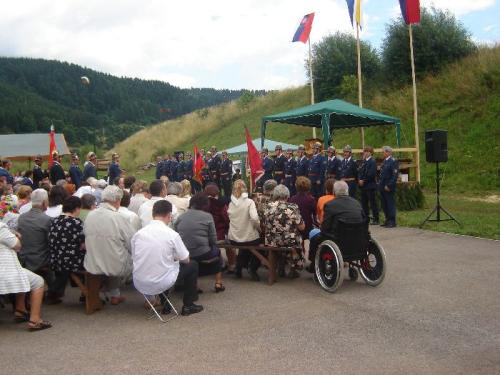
254	161
198	165
52	144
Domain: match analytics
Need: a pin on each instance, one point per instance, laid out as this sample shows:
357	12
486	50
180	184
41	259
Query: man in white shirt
158	191
160	258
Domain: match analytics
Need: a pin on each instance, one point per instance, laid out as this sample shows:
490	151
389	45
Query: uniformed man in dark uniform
159	167
302	162
188	167
290	172
333	164
56	171
316	171
114	169
214	167
366	181
75	172
165	170
279	165
38	173
349	170
181	169
387	187
174	166
226	176
267	166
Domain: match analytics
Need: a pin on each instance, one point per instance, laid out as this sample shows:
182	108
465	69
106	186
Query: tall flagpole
415	108
360	84
311	81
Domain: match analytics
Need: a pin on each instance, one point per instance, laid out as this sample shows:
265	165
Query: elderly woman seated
17	280
174	191
197	230
283	224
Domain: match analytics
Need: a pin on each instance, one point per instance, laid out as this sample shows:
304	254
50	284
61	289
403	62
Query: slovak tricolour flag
302	33
410	9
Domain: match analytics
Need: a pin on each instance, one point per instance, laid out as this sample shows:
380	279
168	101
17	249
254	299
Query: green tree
439	40
334	57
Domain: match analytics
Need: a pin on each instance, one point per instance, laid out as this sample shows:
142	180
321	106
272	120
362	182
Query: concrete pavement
438	311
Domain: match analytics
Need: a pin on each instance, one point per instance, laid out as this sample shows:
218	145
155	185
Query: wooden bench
93	285
269	261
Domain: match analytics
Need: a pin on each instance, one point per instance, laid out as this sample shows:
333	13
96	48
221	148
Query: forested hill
35	93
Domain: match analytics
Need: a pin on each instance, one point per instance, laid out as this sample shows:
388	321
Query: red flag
256	170
198	165
52	144
410	9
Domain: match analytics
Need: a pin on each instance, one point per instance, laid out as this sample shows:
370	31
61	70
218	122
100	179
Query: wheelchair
352	244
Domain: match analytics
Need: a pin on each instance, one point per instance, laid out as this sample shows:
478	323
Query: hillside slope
35	93
464	99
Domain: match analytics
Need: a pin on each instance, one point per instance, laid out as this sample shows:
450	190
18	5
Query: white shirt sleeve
181	252
7	238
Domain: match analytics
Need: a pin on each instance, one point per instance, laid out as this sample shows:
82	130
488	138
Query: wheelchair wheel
373	267
329	266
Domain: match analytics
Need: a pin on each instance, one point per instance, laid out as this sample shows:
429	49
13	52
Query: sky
196	43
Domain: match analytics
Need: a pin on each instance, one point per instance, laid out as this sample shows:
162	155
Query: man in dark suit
5	171
159	167
75	172
279	165
344	208
90	169
366	181
114	169
56	171
387	187
38	173
316	171
333	164
226	176
302	162
349	171
290	172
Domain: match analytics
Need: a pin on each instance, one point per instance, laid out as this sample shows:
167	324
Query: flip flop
38	326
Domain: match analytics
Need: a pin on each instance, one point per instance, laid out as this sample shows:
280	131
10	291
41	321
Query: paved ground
438	311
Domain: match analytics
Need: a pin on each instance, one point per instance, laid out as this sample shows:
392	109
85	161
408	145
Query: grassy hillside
464	99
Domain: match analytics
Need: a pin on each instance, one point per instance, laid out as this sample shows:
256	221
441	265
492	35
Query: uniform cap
265	149
347	148
331	149
38	158
278	147
289	151
317	145
301	148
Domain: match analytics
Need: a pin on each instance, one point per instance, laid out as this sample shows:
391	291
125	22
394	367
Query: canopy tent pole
311	81
415	108
360	84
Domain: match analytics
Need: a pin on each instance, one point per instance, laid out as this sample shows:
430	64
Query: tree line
35	93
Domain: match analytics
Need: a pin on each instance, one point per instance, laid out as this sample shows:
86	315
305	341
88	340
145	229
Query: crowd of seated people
156	234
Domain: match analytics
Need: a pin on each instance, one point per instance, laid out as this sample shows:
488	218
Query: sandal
25	317
219	287
38	326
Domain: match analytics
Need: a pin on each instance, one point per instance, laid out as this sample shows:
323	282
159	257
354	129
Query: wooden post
311	81
360	84
415	108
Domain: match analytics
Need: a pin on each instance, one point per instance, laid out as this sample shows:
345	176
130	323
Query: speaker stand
438	208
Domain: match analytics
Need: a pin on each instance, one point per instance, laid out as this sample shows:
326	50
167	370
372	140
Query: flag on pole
198	165
350	8
52	144
256	170
410	9
358	12
304	29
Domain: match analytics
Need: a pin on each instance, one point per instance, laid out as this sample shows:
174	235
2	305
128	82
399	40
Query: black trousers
352	188
368	199
188	276
245	258
227	187
56	281
389	206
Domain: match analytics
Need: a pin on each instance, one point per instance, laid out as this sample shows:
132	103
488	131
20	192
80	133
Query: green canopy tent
331	115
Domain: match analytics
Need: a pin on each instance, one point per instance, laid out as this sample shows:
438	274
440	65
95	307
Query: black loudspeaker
436	146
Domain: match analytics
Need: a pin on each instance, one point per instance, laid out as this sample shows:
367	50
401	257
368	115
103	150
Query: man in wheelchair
343	208
344	239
